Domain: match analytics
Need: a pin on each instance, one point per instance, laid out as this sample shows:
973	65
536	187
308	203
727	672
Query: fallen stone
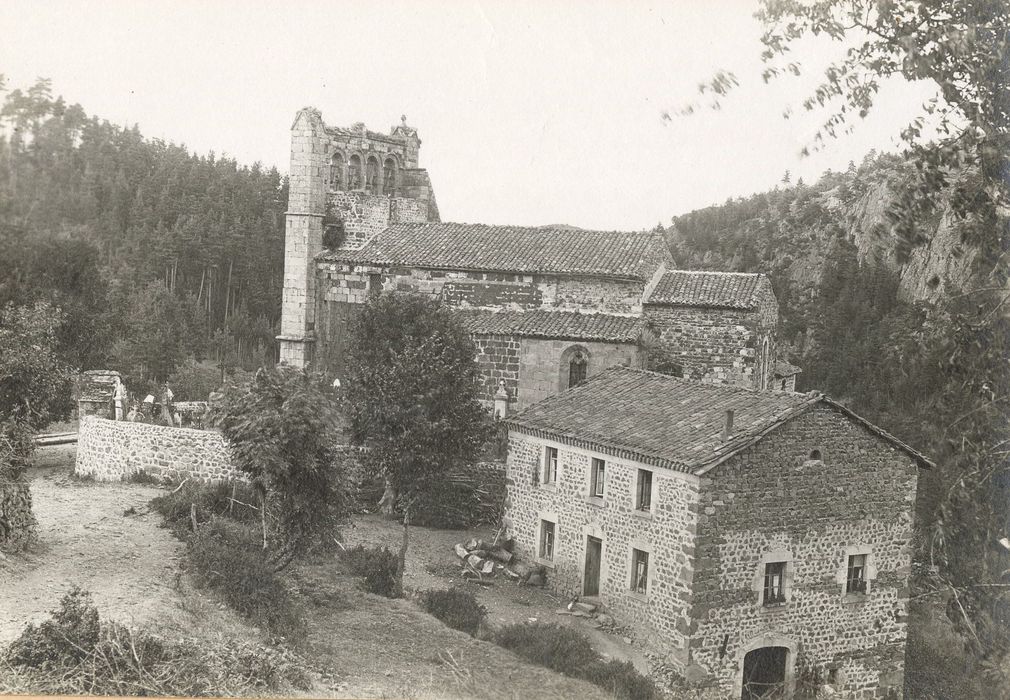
474	561
605	620
584	607
562	611
627	640
471	544
579	613
487	567
460	551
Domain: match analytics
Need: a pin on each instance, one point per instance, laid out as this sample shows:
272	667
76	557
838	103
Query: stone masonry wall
543	372
714	345
772	498
497	360
113	450
667	532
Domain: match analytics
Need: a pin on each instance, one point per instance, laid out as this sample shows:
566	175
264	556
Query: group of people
146	411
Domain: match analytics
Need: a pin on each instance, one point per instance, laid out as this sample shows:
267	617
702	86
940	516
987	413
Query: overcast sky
529	112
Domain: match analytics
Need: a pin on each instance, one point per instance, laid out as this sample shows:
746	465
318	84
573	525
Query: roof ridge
714	272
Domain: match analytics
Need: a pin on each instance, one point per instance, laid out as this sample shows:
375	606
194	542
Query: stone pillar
303	236
501	401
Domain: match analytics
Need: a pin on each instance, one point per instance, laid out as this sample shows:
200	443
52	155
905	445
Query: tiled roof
722	290
785	369
542	323
511	248
666	421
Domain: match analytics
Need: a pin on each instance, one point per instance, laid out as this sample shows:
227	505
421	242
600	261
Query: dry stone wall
774	500
666	532
113	450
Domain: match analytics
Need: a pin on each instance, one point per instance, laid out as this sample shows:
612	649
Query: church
547	307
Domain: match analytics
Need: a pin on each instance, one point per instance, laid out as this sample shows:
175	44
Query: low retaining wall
113	450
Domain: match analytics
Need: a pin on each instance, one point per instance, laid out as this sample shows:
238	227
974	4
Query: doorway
764	674
594	555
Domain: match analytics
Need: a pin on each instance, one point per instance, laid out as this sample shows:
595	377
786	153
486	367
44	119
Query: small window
598	478
775	582
815	455
855	579
375	283
639	571
577	369
550	465
643	496
547	540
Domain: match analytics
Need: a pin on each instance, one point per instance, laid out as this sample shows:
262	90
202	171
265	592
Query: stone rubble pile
482	561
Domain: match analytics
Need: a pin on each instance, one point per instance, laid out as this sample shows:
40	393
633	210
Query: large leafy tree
33	385
412	397
283	430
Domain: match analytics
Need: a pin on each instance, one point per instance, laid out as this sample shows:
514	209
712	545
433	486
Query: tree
282	429
412	397
33	385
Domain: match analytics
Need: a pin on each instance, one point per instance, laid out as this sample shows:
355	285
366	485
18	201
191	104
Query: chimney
727	427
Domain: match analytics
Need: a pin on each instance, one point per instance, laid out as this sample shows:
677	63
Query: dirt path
128	563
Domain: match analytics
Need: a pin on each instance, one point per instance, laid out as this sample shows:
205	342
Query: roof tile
543	323
725	290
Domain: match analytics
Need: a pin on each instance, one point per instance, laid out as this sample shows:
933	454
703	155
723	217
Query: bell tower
303	237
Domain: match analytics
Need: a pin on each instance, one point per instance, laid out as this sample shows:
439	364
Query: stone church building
761	539
547	307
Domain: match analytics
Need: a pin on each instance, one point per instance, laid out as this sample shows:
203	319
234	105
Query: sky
529	113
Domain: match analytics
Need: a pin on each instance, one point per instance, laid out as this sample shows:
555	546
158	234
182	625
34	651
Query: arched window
354	181
337	171
389	177
372	175
574	367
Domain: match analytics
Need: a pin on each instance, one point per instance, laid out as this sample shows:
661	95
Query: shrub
210	500
142	477
568	651
194	381
70	634
457	608
621	680
376	566
228	557
109	659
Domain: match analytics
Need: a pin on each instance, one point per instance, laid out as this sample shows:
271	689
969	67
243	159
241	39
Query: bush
457	608
74	653
210	500
568	651
376	566
228	557
69	635
142	477
194	381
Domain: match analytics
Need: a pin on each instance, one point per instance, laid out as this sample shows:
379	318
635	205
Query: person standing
119	397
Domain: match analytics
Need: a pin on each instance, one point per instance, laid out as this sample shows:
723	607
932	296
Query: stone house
755	539
547	307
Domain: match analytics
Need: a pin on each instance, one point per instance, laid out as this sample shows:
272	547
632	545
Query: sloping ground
391	648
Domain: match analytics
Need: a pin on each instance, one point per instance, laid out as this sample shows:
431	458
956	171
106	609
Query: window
597	478
354	173
375	283
547	540
639	571
577	369
372	175
815	455
337	171
775	582
643	493
550	465
855	579
389	177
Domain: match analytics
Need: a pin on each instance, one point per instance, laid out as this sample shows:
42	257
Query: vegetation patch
568	651
75	653
376	566
455	607
228	557
234	501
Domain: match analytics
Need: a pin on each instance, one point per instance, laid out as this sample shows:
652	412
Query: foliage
143	210
412	394
194	381
376	566
282	429
211	501
67	635
227	557
34	382
74	653
455	607
568	651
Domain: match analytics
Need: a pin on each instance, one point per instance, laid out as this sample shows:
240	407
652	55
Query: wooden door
594	554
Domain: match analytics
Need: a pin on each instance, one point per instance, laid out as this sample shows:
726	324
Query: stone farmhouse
758	539
547	307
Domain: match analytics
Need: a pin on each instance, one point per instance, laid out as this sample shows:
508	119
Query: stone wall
113	450
715	345
666	532
543	364
772	500
497	360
